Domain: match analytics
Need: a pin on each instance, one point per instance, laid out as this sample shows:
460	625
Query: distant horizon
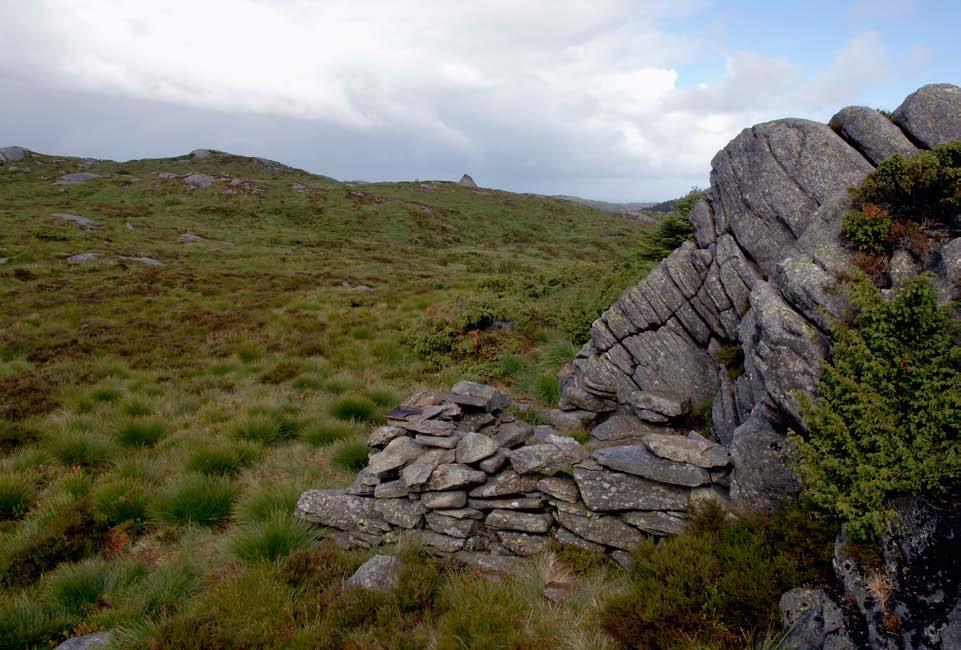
617	100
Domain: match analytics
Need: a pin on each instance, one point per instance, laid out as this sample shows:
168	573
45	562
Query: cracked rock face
738	319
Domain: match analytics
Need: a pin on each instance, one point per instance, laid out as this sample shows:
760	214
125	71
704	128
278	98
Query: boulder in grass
380	573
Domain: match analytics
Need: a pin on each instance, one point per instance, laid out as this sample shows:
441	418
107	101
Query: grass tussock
195	499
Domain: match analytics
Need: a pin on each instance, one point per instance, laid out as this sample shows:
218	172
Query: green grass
16	493
275	537
166	411
195	499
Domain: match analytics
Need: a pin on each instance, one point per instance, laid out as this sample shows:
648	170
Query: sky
607	99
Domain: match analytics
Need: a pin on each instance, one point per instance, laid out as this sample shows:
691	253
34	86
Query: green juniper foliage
887	420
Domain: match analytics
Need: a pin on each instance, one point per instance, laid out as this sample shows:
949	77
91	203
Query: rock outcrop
13	154
467	181
737	320
462	474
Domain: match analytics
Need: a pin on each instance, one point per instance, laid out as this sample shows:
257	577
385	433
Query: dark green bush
887	420
923	188
867	229
675	229
717	584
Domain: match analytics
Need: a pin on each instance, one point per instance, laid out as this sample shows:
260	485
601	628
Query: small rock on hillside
467	181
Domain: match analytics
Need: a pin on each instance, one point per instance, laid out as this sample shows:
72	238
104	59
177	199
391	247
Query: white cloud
546	89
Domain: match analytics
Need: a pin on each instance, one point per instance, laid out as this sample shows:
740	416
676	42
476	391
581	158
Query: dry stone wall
460	472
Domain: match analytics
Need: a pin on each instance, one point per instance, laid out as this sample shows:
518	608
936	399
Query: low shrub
355	409
140	433
717	584
867	229
120	501
267	429
351	455
79	448
675	229
16	493
223	460
275	537
887	420
195	499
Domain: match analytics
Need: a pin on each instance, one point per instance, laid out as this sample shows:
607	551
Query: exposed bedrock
735	323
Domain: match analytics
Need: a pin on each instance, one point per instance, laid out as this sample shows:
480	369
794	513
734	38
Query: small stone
474	447
513	434
419	471
565	536
625	559
557	593
517	503
88	641
77	178
380	573
391	490
149	261
451	526
401	512
364	483
495	400
568	421
507	482
557	452
428	427
476	421
199	181
527	522
486	562
81	258
656	522
399	452
383	435
523	544
662	404
444	500
439	542
559	487
454	475
442	442
494	463
84	222
462	513
637	460
702	453
619	427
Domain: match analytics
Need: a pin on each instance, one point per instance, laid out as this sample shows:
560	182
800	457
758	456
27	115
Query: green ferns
888	418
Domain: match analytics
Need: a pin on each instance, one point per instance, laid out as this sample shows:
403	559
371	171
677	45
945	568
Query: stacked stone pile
463	474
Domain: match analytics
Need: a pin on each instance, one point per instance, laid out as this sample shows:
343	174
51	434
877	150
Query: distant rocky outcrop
467	181
13	154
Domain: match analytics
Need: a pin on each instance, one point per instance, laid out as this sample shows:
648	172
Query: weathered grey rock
439	542
77	178
383	435
419	471
663	406
557	452
450	526
141	259
401	512
467	181
565	536
398	453
902	268
685	449
609	531
199	181
523	544
391	490
476	421
462	513
442	442
637	460
202	154
874	135
365	483
444	500
813	621
84	222
619	427
336	509
763	459
512	434
453	475
380	573
559	487
486	562
494	463
604	490
474	447
951	265
507	503
527	522
81	258
568	421
931	115
493	398
656	522
88	641
505	483
13	154
428	427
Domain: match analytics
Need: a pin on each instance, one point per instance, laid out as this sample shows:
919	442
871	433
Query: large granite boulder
931	115
872	134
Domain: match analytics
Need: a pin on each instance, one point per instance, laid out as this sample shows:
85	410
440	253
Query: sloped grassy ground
158	422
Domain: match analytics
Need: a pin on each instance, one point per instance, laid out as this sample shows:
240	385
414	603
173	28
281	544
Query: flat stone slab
83	258
605	490
686	449
609	531
559	487
77	178
487	562
444	500
383	435
637	460
619	427
494	399
397	453
336	509
454	475
657	523
84	222
380	573
401	512
419	471
527	522
557	452
450	526
507	482
507	503
199	181
474	447
512	434
565	536
428	427
523	544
